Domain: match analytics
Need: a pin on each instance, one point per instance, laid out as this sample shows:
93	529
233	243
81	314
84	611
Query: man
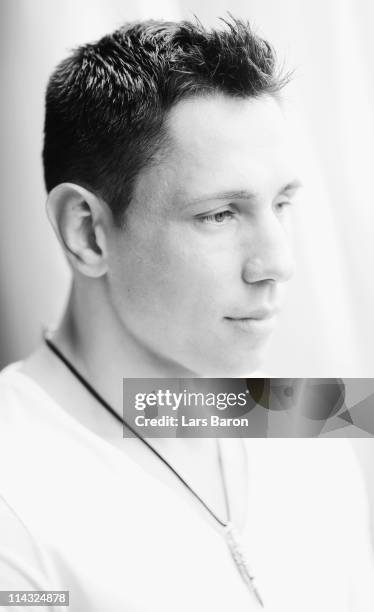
170	185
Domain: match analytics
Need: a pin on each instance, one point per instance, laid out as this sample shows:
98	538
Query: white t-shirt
77	514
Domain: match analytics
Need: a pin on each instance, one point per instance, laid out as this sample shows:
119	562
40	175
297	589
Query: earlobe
81	222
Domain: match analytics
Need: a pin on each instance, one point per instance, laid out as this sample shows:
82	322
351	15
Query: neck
92	333
96	342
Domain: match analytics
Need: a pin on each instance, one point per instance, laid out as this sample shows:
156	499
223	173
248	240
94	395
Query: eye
217	218
280	206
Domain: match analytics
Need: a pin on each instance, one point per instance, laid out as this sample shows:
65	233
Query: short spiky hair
106	103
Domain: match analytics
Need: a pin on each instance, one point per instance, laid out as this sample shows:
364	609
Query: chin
233	366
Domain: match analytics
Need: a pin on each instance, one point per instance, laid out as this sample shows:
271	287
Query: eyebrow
243	194
292	186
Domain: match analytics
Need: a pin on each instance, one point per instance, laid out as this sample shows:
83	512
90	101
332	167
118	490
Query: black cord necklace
230	532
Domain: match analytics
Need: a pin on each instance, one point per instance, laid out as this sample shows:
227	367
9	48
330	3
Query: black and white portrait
186	213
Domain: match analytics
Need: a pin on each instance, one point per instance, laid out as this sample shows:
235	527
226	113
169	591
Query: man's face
197	274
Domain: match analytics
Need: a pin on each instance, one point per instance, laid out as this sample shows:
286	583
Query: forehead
220	139
223	118
219	143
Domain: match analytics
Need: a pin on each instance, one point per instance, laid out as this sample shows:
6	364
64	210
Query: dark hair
106	103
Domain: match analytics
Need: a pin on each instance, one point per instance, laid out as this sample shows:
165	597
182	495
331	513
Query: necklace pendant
241	563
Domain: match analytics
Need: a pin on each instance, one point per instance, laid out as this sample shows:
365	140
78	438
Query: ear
82	222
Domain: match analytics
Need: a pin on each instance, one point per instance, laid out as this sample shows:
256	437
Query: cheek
169	275
172	274
195	271
147	275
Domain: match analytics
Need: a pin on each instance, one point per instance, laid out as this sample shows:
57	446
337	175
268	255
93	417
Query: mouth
260	322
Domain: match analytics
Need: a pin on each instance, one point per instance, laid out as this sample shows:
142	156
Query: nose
269	255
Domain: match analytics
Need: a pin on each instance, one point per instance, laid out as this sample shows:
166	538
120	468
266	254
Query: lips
258	323
258	315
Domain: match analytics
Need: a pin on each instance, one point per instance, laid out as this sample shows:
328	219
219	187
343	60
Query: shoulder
16	390
21	397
